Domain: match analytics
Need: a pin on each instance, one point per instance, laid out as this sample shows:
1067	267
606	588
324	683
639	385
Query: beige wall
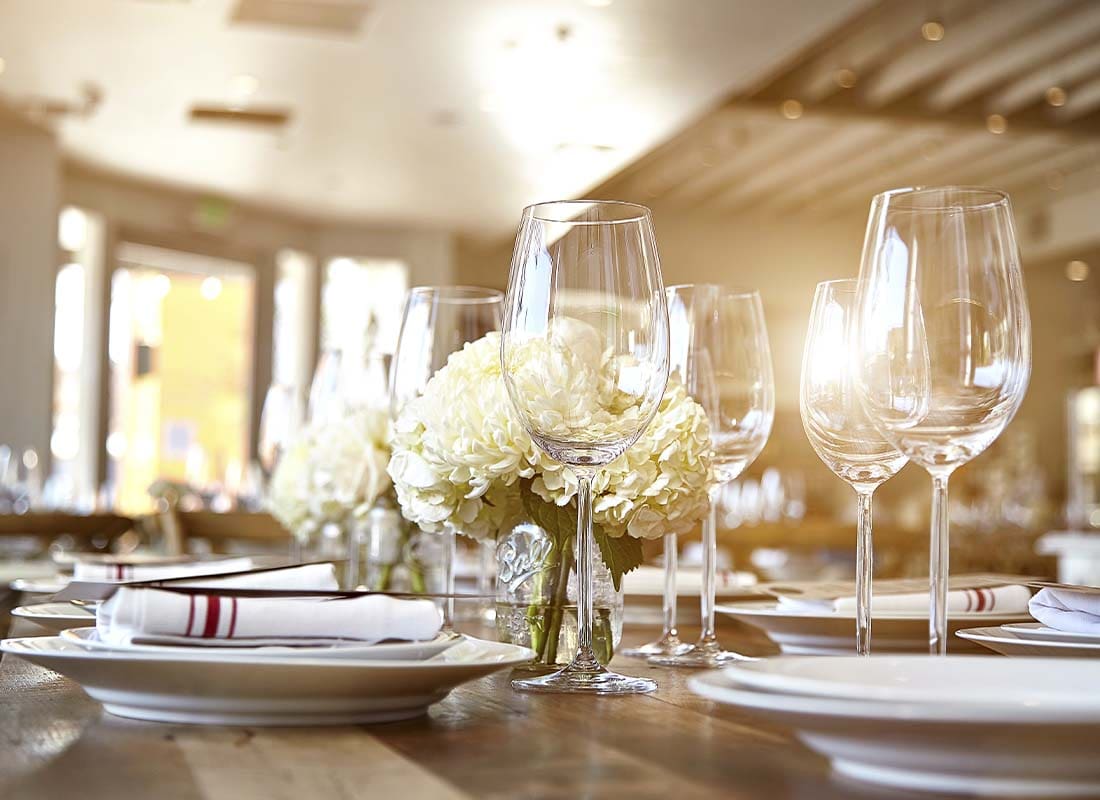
30	167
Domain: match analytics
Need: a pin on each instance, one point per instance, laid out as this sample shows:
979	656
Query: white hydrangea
333	471
459	450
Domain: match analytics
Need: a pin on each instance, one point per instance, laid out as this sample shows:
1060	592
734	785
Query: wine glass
720	351
839	430
437	321
668	643
327	402
944	340
584	354
280	421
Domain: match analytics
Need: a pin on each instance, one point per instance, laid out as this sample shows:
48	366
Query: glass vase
536	599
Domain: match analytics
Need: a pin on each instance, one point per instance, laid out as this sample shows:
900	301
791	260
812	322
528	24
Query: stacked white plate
56	617
1034	639
800	632
314	686
1008	727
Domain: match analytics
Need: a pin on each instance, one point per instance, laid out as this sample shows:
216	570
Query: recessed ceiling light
996	123
210	288
1077	271
933	31
244	85
1056	96
846	78
791	109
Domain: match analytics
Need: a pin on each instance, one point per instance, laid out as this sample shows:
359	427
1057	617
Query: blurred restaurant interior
204	197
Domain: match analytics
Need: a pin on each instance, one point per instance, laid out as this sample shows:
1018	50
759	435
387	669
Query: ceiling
444	113
996	92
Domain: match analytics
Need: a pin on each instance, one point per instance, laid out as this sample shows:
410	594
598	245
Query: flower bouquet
330	477
460	457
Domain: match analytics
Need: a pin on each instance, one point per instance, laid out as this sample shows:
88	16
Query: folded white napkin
1067	610
154	616
1002	600
100	571
313	577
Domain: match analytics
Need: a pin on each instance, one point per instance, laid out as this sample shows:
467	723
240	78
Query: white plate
266	691
649	581
376	651
1037	630
831	633
55	617
962	681
1004	750
48	584
1009	644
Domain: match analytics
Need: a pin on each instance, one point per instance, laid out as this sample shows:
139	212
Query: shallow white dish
1039	631
376	651
961	681
55	617
830	633
1005	749
266	691
1010	644
46	584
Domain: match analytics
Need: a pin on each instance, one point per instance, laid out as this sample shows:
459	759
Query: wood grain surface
483	741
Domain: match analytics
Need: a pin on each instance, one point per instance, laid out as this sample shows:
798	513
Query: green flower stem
556	612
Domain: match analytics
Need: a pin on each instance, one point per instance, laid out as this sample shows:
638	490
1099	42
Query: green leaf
558	521
621	554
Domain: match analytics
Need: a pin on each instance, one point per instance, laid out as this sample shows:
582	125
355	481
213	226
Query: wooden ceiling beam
973	37
1074	66
1026	54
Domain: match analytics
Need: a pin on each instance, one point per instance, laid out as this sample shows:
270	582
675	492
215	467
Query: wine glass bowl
584	355
944	338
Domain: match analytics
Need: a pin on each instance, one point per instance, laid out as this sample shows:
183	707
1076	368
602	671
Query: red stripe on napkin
232	616
190	616
213	609
981	600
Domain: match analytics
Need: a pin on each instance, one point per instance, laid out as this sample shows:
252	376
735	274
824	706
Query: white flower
459	450
334	471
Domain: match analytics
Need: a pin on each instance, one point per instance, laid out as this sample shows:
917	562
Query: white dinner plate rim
718	686
990	634
769	608
1038	632
39	585
72	651
769	675
80	637
28	612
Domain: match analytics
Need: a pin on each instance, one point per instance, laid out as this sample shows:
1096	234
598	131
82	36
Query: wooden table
483	741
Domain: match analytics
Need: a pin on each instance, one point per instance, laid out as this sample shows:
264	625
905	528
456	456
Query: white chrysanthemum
331	472
459	449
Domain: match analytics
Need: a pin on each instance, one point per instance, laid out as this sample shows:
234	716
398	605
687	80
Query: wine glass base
700	658
665	646
585	681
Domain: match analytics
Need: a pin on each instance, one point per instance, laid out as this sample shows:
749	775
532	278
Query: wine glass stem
938	552
448	569
864	570
585	657
710	557
669	601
